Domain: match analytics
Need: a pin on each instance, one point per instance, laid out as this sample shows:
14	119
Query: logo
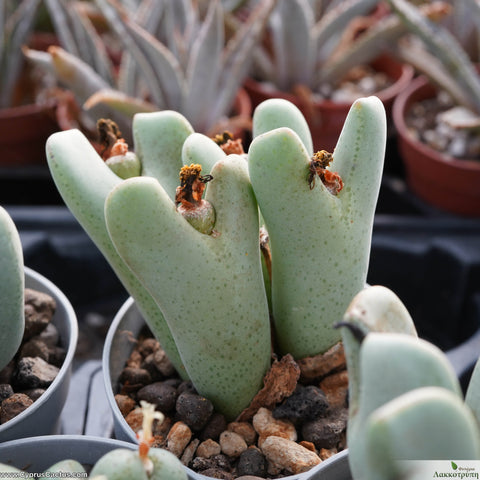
432	469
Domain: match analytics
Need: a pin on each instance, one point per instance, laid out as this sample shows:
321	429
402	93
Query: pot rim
126	307
71	344
400	106
85	449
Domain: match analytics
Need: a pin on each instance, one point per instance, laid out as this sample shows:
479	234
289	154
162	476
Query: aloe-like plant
311	44
12	289
434	51
405	399
203	292
174	59
16	24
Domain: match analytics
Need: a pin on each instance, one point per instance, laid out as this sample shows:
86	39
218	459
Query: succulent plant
405	399
213	313
437	53
173	59
12	289
16	24
316	43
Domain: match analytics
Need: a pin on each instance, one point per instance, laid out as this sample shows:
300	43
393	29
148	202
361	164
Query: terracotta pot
118	347
23	133
326	118
43	416
450	184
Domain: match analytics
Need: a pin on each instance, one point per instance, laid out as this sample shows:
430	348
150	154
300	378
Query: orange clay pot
451	184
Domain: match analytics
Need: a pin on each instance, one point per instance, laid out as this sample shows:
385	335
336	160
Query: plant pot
43	416
24	131
117	348
451	184
37	454
326	118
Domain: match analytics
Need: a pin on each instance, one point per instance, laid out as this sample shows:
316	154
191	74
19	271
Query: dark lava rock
135	377
6	391
252	462
306	403
216	473
57	356
33	372
326	432
194	410
217	462
160	394
34	393
14	405
215	426
186	386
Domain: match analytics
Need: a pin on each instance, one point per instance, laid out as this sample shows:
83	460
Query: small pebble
125	404
35	348
39	310
162	363
135	377
162	395
134	419
134	360
6	391
306	403
335	387
148	346
265	425
208	449
252	462
245	430
214	427
217	473
325	432
14	405
289	455
178	438
49	336
34	393
33	372
57	356
194	410
189	452
232	444
217	462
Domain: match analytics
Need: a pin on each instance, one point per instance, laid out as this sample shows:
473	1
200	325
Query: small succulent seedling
146	463
206	278
12	289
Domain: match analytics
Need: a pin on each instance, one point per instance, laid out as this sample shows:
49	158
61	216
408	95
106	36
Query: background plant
175	59
17	20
